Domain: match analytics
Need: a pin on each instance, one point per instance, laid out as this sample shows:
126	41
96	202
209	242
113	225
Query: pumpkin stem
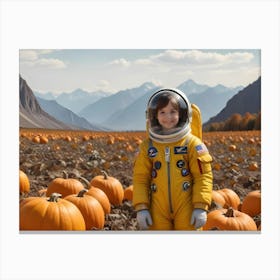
65	174
230	213
54	197
81	193
85	181
105	174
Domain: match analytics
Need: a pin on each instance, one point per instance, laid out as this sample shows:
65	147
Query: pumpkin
229	219
64	186
252	203
36	139
90	208
128	193
44	140
111	186
231	198
24	184
99	195
232	148
253	166
218	198
50	213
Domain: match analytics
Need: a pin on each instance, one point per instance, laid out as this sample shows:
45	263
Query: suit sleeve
142	178
200	167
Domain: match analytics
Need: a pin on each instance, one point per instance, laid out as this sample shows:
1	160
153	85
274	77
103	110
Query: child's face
168	116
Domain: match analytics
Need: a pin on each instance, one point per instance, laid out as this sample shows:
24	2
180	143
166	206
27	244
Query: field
49	154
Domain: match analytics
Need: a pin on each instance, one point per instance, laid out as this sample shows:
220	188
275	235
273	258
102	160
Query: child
172	175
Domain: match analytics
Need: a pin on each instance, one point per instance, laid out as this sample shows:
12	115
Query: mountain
102	110
79	99
46	96
31	115
133	116
212	100
247	100
75	100
191	87
65	115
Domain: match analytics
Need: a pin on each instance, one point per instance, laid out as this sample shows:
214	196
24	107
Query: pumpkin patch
57	163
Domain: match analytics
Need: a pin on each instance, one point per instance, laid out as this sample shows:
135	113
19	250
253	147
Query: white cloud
120	62
28	55
145	61
50	63
32	58
202	58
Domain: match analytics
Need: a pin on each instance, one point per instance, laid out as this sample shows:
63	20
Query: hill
31	115
247	100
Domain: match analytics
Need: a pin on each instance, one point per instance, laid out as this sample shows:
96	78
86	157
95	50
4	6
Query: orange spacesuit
172	175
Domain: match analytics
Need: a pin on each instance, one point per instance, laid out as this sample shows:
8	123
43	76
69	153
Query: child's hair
162	101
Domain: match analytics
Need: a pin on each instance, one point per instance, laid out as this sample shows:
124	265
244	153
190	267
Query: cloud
202	58
169	60
33	58
120	62
104	85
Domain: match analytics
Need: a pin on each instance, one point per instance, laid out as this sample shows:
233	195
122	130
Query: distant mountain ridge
102	110
65	115
75	100
247	100
191	87
31	115
132	117
125	110
212	100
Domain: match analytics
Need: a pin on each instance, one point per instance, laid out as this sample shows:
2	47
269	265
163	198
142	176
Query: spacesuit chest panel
170	164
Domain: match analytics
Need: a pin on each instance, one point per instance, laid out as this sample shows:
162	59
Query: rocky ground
236	165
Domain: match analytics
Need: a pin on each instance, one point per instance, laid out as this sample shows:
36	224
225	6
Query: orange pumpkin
50	213
128	193
90	208
64	186
252	203
231	198
218	198
98	194
44	140
229	219
24	184
253	166
36	139
111	186
101	197
232	148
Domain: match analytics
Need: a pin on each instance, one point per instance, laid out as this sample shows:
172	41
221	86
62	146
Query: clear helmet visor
168	115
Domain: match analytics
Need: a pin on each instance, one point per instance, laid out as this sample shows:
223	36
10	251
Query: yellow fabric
196	124
142	206
171	207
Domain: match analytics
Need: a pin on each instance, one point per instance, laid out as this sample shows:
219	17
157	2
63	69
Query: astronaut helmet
168	115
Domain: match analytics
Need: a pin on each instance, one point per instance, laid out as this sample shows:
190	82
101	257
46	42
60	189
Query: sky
112	70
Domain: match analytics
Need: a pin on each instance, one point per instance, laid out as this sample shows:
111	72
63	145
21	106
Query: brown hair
163	101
